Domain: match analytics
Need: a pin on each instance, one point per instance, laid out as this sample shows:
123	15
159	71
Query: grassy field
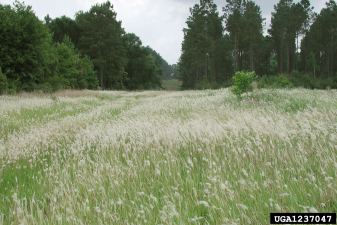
189	157
172	85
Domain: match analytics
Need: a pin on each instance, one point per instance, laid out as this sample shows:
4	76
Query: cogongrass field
189	157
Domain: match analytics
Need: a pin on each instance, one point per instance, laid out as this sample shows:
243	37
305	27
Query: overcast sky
158	23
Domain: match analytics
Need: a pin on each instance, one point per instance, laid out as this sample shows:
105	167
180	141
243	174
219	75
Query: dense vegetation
212	53
154	157
91	51
94	51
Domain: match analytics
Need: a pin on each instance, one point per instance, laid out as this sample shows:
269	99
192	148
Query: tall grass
190	157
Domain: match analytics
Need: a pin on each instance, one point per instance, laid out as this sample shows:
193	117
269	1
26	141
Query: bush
3	83
300	79
334	82
205	84
243	82
13	86
45	87
297	79
280	81
322	83
228	83
11	91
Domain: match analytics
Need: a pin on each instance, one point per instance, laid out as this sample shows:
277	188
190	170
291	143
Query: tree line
89	52
301	45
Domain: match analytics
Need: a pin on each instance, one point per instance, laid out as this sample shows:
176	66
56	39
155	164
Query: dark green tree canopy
201	58
23	40
320	42
102	41
94	50
64	26
141	67
288	21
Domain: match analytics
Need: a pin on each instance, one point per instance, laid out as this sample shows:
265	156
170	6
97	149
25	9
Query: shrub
228	83
3	83
280	81
45	87
243	82
13	86
11	92
205	84
334	82
264	82
300	79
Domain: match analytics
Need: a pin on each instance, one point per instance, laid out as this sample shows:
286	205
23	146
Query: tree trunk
251	57
101	70
314	72
206	65
288	55
281	57
240	61
235	54
332	61
296	66
101	75
306	61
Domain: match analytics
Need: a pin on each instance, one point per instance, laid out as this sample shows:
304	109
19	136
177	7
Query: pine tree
287	22
252	32
200	53
322	42
102	42
235	26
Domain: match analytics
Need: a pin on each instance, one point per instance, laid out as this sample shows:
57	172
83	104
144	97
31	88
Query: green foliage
205	84
67	62
102	41
288	21
74	71
13	86
334	82
167	71
324	83
296	79
64	26
32	61
243	82
273	67
228	83
3	83
312	63
141	67
318	47
300	79
280	81
46	87
205	51
22	45
89	76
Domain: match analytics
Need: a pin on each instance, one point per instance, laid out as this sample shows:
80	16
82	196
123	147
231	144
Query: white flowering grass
191	157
